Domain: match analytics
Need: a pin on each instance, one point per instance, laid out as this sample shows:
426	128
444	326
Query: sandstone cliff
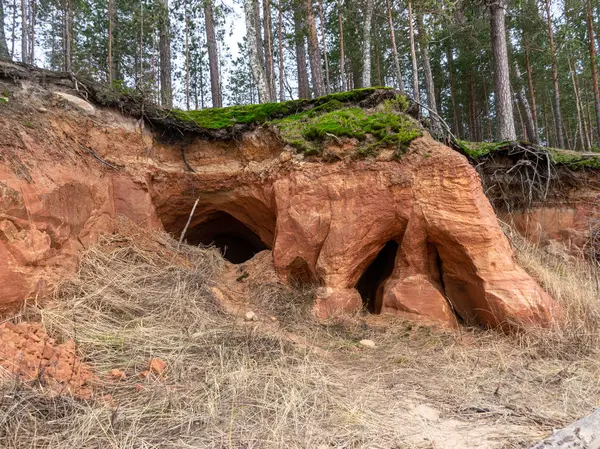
349	194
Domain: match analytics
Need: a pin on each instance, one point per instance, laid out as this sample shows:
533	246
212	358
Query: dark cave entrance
237	242
376	273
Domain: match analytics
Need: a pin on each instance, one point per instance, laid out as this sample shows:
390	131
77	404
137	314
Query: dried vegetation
232	384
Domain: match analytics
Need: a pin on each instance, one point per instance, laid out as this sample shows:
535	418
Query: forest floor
285	380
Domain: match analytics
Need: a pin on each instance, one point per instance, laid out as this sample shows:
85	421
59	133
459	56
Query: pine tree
4	54
213	57
324	42
557	108
24	47
166	89
299	34
413	55
269	65
111	19
366	56
314	52
254	50
593	64
428	75
400	80
505	124
343	82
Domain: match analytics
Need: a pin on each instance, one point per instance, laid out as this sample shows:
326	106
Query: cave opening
237	242
373	277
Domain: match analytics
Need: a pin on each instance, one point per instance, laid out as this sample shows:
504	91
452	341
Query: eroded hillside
348	192
353	267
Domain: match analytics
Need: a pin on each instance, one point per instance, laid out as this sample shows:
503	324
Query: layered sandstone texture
409	234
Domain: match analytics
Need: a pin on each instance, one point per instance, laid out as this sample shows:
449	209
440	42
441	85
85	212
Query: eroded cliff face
414	236
555	205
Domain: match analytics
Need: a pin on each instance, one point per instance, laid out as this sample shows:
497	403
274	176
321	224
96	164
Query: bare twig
188	223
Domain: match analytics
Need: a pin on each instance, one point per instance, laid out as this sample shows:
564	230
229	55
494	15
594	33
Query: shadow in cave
237	242
376	273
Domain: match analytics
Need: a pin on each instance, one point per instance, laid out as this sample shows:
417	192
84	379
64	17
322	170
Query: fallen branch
188	223
582	434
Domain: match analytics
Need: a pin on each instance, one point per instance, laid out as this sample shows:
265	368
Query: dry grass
232	385
575	283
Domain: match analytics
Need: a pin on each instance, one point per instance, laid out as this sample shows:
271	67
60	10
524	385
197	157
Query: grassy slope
232	383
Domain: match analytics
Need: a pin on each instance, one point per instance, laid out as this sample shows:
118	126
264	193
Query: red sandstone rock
116	375
27	353
325	222
157	366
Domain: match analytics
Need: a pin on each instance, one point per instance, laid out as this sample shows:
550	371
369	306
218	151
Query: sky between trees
490	69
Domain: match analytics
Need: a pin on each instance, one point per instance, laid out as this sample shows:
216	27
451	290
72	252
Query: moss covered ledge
574	160
375	117
257	114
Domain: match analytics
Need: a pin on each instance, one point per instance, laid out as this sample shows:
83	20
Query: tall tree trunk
588	116
269	67
546	128
258	70
196	86
281	67
530	82
486	122
187	59
472	108
584	123
578	107
449	56
141	45
378	63
166	90
14	30
428	75
111	15
314	53
322	23
68	35
368	17
32	32
257	31
24	57
3	47
395	48
303	88
594	65
413	54
560	141
342	56
213	56
505	123
532	131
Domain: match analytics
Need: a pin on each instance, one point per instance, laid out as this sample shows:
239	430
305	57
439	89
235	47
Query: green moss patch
218	118
574	160
477	150
380	120
257	114
372	128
